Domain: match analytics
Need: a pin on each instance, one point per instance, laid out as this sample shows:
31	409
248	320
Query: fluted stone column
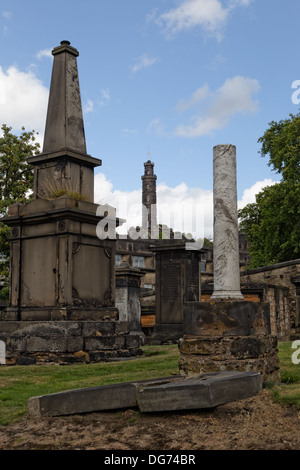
226	240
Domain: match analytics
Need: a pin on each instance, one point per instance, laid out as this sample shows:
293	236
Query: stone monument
227	332
128	282
177	274
62	281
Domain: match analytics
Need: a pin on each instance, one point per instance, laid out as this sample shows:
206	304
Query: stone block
132	341
200	345
104	342
206	391
16	344
267	366
239	318
26	360
166	333
104	328
74	344
122	328
38	344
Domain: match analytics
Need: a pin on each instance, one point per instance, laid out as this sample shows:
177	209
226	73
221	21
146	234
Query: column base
227	295
225	336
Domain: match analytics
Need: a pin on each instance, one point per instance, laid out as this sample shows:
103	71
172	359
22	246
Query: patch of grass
19	383
288	392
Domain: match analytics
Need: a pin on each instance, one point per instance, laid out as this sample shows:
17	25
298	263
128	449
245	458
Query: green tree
281	142
16	182
272	223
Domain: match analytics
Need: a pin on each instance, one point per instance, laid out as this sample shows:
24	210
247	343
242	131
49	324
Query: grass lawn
19	383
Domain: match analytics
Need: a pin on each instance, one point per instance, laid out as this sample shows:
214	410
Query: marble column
226	240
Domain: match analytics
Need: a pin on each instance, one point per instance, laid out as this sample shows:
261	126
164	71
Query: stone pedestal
60	270
177	280
224	336
128	281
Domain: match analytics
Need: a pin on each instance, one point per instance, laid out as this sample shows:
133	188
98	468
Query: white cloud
184	209
105	97
44	53
197	96
7	15
88	107
188	210
143	62
237	3
249	194
156	127
211	15
24	100
233	97
126	131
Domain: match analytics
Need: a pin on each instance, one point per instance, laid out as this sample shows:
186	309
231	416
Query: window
138	262
118	260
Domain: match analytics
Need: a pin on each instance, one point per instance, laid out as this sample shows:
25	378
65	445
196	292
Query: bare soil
252	424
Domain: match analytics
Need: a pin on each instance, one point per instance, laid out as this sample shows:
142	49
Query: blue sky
173	77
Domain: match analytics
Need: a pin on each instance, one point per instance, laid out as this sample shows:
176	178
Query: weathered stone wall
279	275
67	341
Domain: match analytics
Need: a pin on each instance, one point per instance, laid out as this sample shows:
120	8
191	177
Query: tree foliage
16	180
272	223
281	142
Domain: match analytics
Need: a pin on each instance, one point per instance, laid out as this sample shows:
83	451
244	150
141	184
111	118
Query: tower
149	198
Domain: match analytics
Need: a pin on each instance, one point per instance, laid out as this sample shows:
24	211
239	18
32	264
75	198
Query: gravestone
227	332
128	281
62	273
177	280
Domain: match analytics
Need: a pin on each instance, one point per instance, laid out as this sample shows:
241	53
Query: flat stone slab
203	391
154	395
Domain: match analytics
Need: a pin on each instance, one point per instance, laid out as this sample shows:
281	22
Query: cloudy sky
160	79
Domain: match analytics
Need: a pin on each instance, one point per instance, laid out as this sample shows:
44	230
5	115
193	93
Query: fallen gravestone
154	395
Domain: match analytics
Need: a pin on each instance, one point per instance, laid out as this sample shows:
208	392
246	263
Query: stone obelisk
62	277
226	239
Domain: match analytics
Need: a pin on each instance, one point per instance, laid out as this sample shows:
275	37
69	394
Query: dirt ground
252	424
